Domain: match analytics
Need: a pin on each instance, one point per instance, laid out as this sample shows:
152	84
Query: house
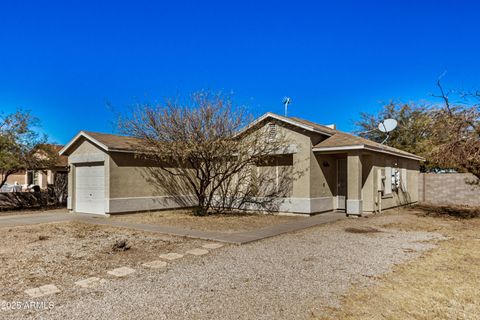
340	171
40	177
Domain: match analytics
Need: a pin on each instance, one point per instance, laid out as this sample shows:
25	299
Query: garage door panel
90	189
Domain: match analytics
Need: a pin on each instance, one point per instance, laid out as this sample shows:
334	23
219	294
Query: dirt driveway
291	276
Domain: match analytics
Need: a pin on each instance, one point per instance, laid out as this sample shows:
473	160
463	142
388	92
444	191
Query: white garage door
90	189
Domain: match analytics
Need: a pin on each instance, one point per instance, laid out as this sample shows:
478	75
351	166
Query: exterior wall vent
272	131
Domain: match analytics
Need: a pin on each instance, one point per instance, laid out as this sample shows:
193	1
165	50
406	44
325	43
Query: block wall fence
449	188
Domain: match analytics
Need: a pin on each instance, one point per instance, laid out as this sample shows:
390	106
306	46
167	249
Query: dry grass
441	284
230	222
462	212
63	253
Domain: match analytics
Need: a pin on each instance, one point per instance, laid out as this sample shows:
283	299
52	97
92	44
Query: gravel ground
286	277
65	252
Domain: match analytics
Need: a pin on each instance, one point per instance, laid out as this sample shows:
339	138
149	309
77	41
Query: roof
339	140
62	161
106	142
344	141
304	124
116	142
315	125
335	140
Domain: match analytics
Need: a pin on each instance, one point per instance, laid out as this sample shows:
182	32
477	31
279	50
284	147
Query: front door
341	184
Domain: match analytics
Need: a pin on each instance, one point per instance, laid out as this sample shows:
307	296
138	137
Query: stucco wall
372	163
84	147
20	177
369	185
301	161
129	177
449	188
314	184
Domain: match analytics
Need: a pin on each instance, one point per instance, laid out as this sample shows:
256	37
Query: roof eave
86	136
370	148
124	150
286	120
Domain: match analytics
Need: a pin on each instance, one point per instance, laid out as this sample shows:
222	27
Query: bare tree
206	155
446	134
59	188
456	132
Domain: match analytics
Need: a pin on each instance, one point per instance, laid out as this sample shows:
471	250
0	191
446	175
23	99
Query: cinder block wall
448	188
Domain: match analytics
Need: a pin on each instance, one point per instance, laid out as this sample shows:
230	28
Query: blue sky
72	62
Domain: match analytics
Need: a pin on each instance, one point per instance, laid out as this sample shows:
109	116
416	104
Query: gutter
370	148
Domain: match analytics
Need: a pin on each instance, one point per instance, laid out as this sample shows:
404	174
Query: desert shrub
362	230
27	200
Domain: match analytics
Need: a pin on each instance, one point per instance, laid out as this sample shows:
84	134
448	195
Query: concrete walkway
235	238
33	218
275	230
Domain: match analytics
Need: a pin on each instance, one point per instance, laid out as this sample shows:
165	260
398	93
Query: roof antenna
286	102
387	126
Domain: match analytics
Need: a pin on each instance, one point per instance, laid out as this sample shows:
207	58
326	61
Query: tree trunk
4	180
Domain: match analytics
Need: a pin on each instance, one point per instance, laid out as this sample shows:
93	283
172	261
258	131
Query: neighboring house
339	171
41	178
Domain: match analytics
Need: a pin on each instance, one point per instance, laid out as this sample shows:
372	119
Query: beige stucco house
339	172
40	177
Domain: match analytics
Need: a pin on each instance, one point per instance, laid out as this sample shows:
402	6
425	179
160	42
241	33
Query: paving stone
213	245
42	291
157	264
90	282
34	292
197	252
171	256
121	272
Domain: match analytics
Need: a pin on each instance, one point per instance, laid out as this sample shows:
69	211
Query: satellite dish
387	125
